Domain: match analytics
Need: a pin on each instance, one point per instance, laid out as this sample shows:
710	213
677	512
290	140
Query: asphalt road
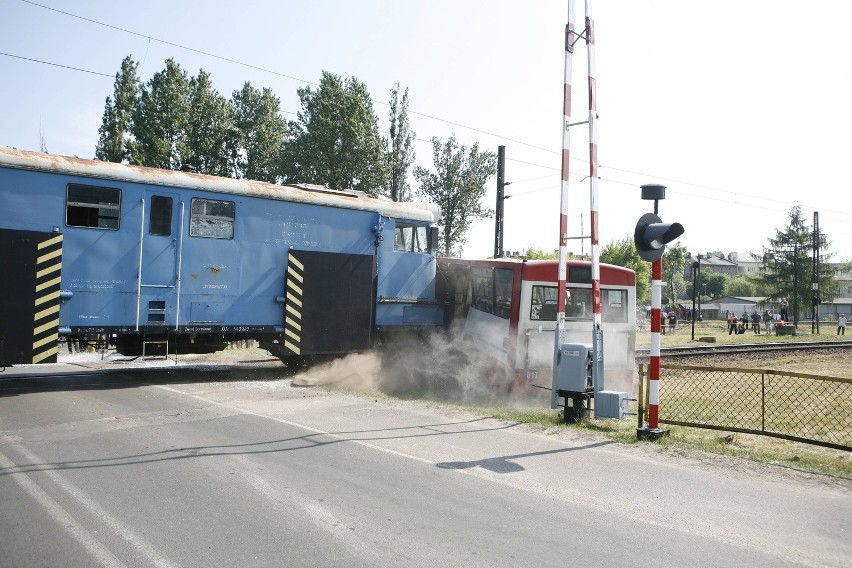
171	468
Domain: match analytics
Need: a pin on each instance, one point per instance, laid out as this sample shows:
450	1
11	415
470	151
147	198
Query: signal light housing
652	236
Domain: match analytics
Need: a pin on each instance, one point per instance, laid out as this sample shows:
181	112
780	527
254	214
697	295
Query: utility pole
501	184
817	299
796	285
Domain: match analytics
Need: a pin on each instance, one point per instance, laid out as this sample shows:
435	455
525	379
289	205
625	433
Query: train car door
160	244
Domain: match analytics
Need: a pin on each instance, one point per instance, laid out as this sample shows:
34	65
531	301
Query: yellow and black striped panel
29	296
293	308
48	268
329	302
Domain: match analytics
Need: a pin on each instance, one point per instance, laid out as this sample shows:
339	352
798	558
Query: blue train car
148	256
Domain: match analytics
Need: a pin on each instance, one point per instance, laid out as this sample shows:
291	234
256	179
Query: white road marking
148	550
62	518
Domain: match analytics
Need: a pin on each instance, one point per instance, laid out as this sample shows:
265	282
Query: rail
724	349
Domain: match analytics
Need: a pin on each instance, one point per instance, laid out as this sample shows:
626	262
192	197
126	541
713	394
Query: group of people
740	325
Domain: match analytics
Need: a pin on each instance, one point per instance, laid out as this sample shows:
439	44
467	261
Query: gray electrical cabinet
574	368
610	404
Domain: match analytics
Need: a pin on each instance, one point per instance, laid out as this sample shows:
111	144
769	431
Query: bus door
159	258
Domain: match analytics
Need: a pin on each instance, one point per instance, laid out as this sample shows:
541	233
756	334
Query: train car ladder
156	340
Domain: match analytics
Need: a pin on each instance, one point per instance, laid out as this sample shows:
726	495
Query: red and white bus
507	309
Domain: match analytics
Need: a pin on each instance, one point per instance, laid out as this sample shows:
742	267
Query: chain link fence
806	408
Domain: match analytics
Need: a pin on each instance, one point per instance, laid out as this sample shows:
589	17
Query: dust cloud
438	366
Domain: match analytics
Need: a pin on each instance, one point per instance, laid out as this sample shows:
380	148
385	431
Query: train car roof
300	193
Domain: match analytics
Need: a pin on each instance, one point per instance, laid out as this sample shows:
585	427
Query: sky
740	108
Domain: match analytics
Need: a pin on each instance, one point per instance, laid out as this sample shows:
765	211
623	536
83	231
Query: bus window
503	282
578	303
543	303
614	306
482	289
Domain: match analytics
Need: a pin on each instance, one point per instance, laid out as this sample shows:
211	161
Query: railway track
730	349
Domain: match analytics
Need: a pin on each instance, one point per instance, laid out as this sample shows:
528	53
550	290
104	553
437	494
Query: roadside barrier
813	409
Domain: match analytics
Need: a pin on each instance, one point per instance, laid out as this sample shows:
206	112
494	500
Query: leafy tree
400	153
741	286
336	138
623	253
209	127
788	265
539	254
674	263
712	284
118	112
457	187
260	134
160	120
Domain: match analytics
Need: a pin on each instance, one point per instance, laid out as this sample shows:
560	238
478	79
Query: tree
400	153
260	134
788	265
539	254
209	127
118	111
457	187
712	284
160	120
674	263
336	138
623	253
741	286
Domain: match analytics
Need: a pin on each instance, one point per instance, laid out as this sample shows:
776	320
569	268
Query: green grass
718	330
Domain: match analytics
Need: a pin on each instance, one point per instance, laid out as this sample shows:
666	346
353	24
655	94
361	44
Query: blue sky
740	108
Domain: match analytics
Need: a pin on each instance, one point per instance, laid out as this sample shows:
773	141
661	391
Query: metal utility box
574	368
610	404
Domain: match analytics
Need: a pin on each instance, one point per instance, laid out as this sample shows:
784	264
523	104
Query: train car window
410	238
503	282
93	207
482	289
212	218
161	216
614	306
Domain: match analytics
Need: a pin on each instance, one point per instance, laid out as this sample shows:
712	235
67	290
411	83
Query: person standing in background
841	325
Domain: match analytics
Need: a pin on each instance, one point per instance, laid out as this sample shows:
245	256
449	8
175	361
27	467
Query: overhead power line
56	64
431	117
166	42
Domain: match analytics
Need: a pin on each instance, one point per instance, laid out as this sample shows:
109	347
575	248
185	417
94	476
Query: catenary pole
563	200
597	333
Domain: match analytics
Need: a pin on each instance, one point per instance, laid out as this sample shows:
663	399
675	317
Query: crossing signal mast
651	237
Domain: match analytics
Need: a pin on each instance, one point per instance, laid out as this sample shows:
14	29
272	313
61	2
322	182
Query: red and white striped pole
593	168
654	366
563	201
